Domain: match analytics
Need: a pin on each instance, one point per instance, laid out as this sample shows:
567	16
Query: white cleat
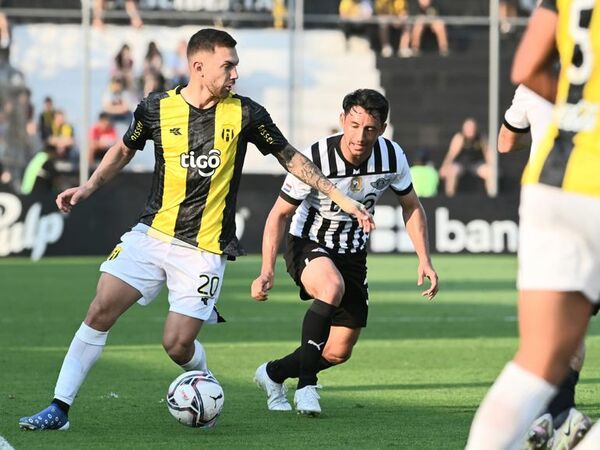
276	399
572	431
307	401
540	434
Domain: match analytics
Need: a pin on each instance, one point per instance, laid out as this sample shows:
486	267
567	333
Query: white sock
85	349
510	406
591	441
198	361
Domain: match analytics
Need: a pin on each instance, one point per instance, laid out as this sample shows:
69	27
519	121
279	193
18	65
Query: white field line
4	445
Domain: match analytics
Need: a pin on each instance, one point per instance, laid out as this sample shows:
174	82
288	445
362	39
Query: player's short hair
209	38
372	101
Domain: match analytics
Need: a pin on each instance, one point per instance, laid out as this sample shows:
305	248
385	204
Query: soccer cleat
307	401
276	400
572	431
540	433
51	418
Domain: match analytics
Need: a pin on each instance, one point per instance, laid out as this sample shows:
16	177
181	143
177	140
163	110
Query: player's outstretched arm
305	170
416	226
272	237
115	159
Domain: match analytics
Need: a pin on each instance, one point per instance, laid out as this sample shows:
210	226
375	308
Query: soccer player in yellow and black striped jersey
559	245
187	230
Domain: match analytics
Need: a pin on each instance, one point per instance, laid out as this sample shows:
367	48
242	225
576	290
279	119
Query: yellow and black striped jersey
569	154
199	156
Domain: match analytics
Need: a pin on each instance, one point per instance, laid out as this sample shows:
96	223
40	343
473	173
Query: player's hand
70	197
425	270
358	210
260	287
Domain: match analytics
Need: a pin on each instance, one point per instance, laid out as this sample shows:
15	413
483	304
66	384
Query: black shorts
354	307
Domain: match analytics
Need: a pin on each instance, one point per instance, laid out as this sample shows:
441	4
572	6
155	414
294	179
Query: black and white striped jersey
318	218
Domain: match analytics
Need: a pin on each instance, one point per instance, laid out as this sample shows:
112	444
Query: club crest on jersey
206	164
381	183
227	133
356	184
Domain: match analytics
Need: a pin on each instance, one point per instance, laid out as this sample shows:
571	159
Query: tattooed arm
115	159
305	170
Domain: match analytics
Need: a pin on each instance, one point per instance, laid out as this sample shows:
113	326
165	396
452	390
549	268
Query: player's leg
194	279
339	345
130	274
551	326
113	297
179	341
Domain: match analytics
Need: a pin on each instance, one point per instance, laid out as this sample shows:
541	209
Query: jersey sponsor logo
356	184
227	133
205	164
175	131
381	183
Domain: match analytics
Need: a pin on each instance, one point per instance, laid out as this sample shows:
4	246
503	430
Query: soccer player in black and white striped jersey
326	250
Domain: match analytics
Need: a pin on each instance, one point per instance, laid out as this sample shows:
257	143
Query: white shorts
559	241
193	277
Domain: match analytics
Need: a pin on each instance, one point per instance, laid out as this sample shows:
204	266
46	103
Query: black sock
64	407
564	398
315	331
289	366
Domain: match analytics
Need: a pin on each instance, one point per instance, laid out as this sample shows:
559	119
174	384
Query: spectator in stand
429	17
353	14
279	14
468	152
26	108
130	6
393	15
152	82
117	102
153	61
61	140
179	65
425	178
507	10
5	39
103	136
45	119
123	67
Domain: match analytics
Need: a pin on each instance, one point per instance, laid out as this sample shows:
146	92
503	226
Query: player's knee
179	351
100	316
332	291
338	356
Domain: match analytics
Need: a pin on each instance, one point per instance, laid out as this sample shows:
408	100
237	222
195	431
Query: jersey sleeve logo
381	183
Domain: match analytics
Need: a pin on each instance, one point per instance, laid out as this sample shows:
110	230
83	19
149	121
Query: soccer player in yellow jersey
186	232
559	252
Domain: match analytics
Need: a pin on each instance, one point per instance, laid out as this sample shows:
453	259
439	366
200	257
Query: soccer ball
195	399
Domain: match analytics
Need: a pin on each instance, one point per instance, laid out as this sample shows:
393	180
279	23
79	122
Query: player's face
218	70
361	130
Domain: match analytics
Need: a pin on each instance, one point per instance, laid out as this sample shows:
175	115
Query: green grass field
414	381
